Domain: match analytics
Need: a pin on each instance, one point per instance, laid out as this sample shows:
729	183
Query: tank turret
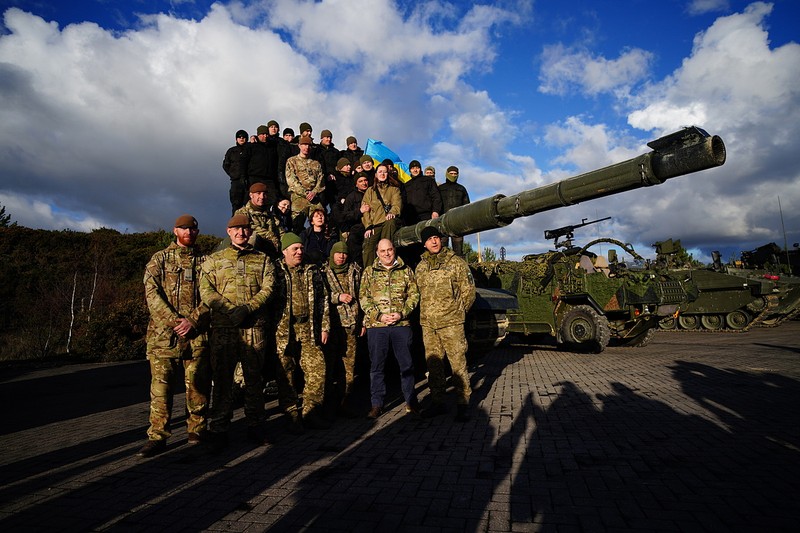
683	152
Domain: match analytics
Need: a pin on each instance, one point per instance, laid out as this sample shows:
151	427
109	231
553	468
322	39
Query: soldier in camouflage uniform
344	280
447	291
266	232
237	284
305	182
176	336
388	295
303	325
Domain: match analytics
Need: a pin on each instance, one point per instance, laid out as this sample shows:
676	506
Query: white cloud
734	85
127	129
700	7
564	69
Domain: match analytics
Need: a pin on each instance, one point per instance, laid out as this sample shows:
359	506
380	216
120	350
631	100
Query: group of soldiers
315	177
259	296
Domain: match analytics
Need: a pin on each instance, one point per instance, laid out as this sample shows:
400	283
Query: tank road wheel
737	320
688	321
583	329
712	322
668	324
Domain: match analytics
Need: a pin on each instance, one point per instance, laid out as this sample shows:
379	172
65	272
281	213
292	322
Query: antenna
785	242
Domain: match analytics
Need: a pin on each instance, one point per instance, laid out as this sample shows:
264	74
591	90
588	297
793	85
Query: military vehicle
683	152
582	299
724	302
771	263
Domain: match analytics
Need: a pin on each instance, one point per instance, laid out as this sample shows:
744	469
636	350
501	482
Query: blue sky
117	114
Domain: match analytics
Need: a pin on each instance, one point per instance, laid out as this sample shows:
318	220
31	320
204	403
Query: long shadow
615	461
632	462
40	401
317	480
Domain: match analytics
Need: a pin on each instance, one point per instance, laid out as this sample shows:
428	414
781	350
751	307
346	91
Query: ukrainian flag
378	152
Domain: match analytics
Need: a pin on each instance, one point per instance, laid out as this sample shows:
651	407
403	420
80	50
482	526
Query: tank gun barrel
683	152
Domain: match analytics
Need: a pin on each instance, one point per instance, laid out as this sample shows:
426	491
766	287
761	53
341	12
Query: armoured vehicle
583	299
683	152
771	263
724	302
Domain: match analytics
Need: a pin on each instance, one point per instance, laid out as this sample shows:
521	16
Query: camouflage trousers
312	363
228	347
450	342
340	360
197	376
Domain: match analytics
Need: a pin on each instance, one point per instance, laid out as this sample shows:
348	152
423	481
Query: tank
683	152
583	299
724	302
771	263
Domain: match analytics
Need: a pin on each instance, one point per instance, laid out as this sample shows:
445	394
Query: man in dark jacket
328	156
235	166
353	152
351	218
454	195
263	164
284	152
339	188
423	201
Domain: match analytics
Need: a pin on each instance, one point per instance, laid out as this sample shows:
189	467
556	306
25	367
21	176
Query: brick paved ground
696	432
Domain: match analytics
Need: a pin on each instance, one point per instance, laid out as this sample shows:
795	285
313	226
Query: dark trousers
379	340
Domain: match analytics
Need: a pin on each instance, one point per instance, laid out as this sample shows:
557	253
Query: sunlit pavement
694	432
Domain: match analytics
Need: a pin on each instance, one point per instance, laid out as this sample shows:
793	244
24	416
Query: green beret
186	221
289	239
339	248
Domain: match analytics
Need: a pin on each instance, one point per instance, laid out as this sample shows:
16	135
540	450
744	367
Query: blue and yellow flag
378	152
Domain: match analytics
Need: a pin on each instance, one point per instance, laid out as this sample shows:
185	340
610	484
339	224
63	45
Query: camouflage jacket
347	315
266	232
237	284
387	290
303	175
447	289
319	314
172	291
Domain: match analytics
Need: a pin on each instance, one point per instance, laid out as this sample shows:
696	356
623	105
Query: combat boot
216	442
152	448
412	408
375	412
295	426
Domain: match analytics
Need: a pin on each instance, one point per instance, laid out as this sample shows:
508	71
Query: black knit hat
428	232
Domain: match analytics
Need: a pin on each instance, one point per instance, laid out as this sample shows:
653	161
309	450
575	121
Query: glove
238	315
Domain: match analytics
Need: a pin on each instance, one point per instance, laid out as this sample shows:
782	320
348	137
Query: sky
117	113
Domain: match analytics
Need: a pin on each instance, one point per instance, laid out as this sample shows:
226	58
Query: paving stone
694	432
